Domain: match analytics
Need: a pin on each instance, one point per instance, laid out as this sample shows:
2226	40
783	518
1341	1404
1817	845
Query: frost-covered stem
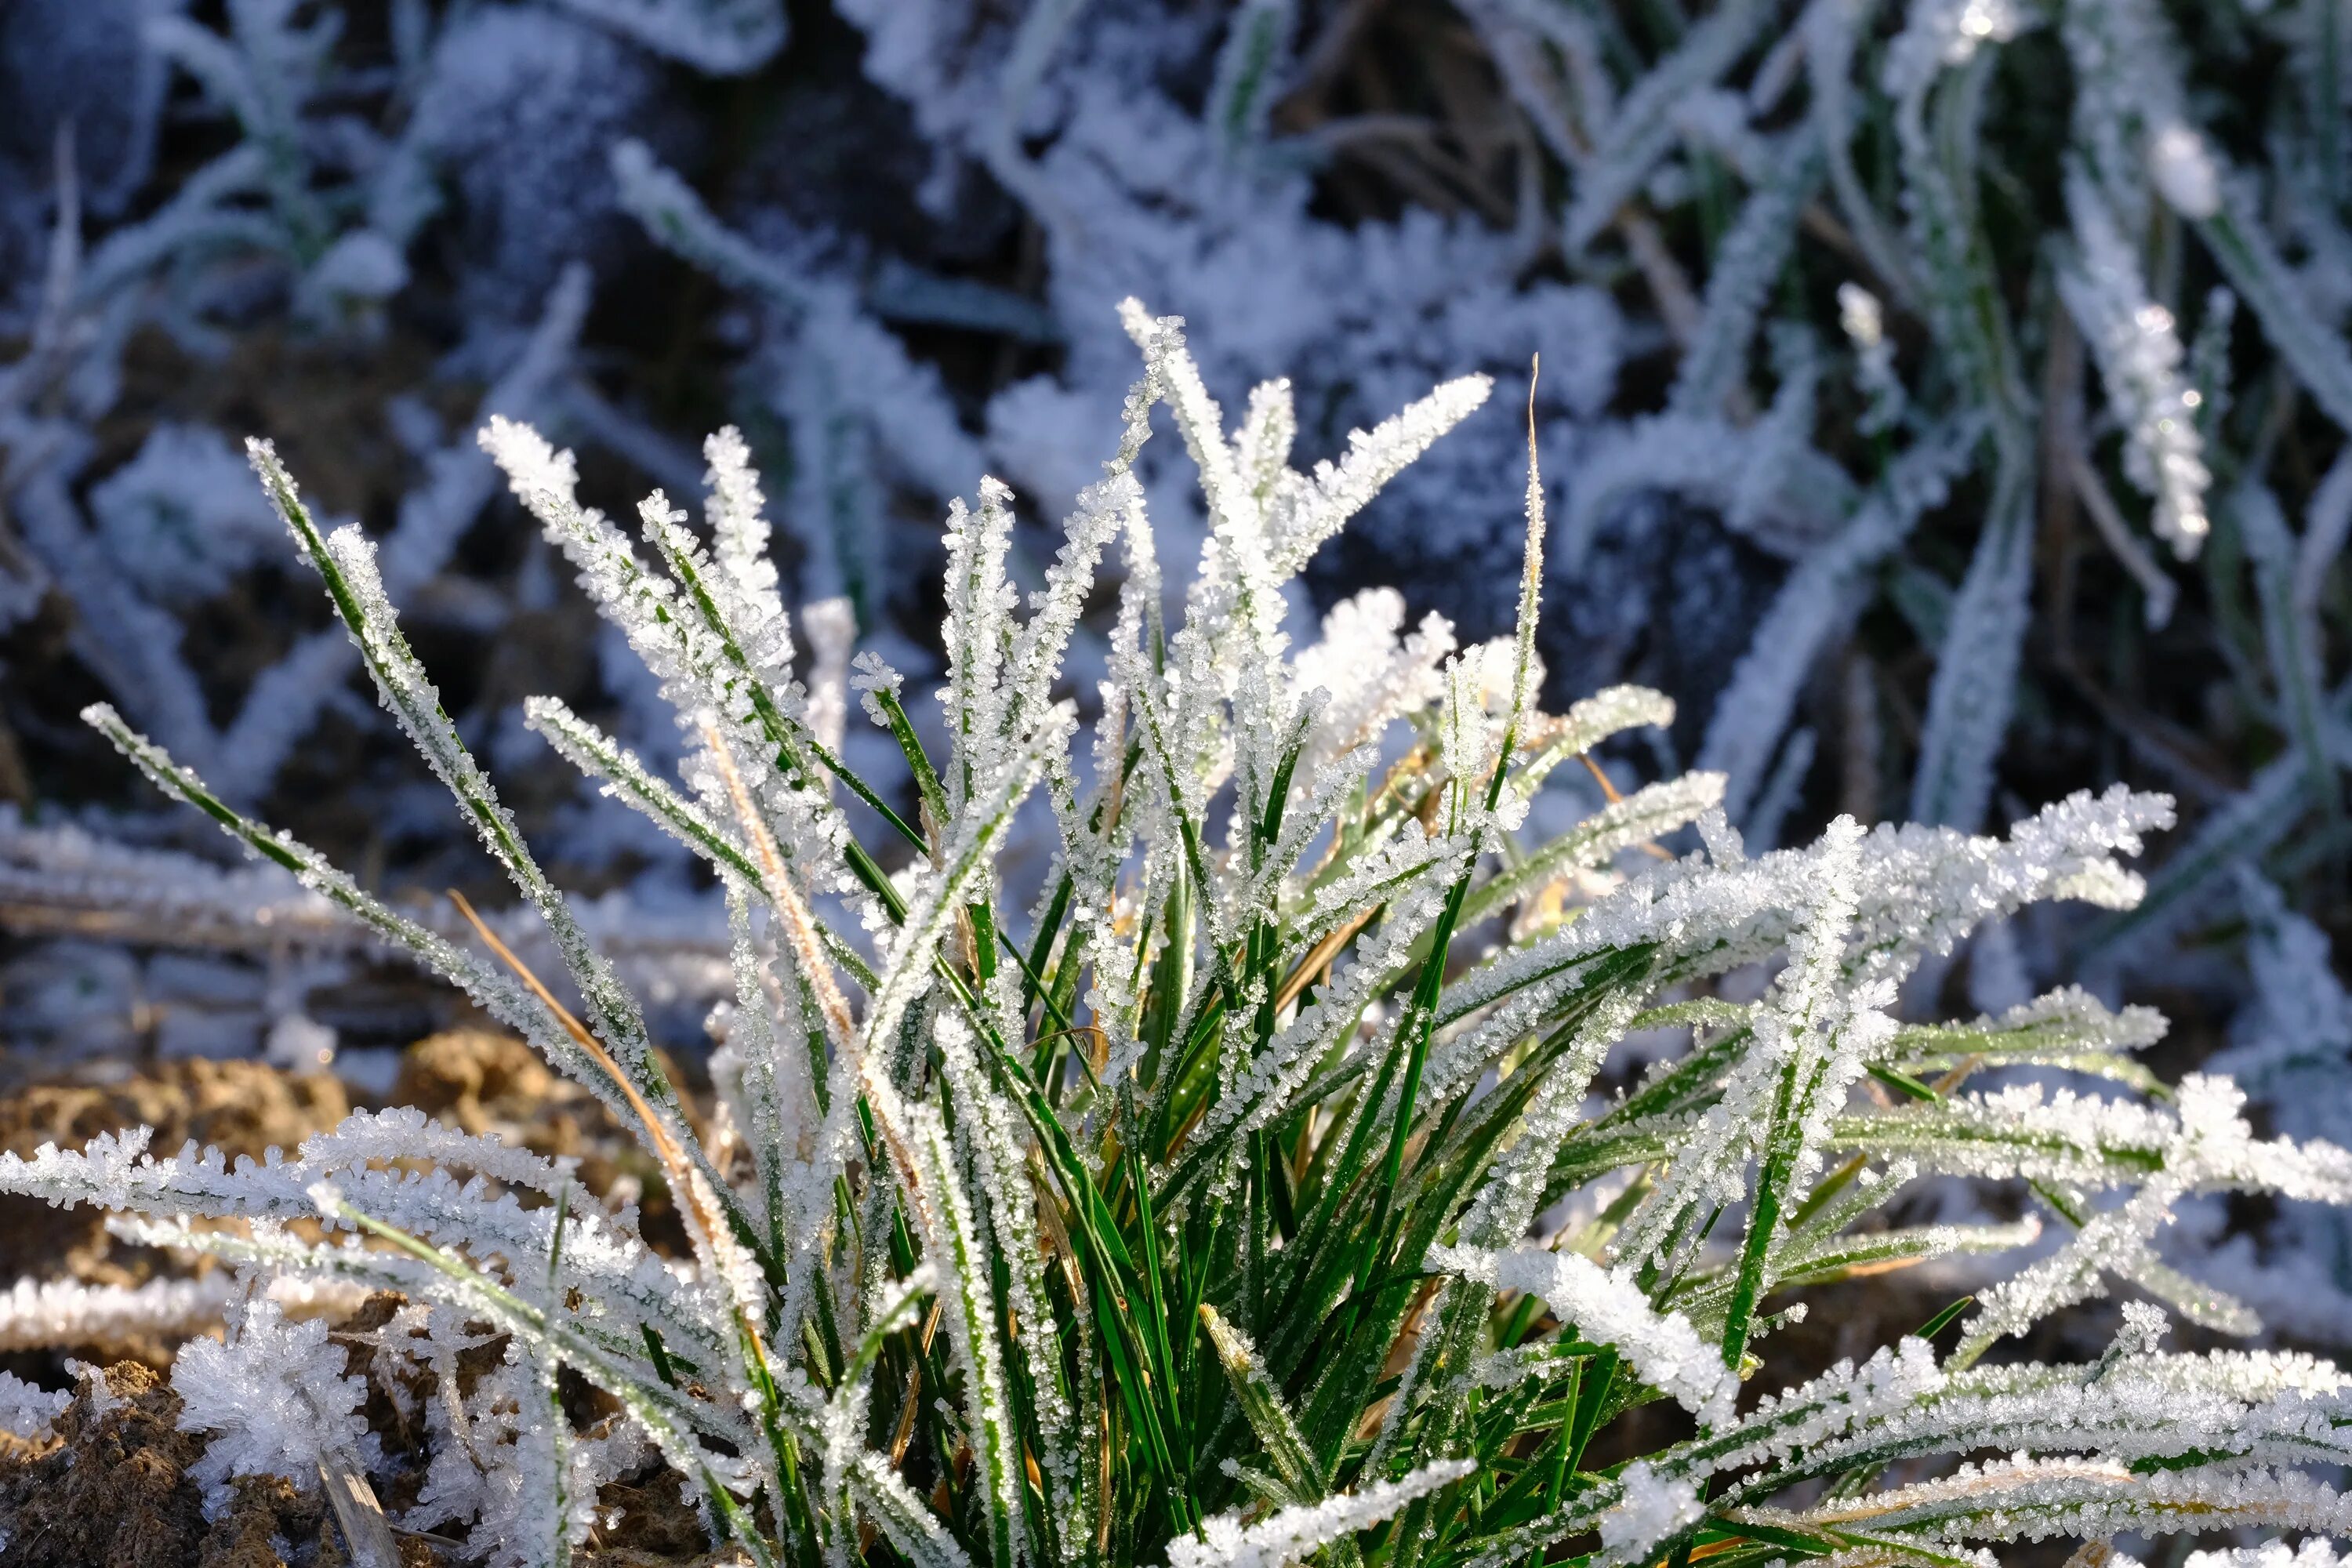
1747	263
2315	351
1968	703
721	1232
800	925
953	1240
512	1004
2290	638
601	757
1291	1534
484	1295
1413	1033
345	563
1829	28
987	1126
845	1410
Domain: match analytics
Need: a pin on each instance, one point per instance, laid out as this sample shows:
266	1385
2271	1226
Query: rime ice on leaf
1291	1534
1608	1307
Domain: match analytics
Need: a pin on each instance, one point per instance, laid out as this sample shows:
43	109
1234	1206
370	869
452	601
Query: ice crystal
1290	1534
1609	1308
273	1398
39	1314
2139	354
1651	1509
26	1411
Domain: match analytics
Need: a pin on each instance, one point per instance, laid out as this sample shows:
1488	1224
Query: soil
112	1490
109	1489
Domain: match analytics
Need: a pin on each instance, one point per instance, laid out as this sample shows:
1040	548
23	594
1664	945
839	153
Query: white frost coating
1304	512
1864	323
1372	676
1234	838
1923	890
2139	357
45	1313
1653	1507
739	547
2183	170
2315	1553
2207	1146
272	1397
27	1411
1289	1535
1608	1307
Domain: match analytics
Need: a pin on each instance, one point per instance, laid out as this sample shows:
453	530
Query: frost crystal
1290	1534
1608	1307
2140	355
270	1397
2183	170
1650	1508
27	1411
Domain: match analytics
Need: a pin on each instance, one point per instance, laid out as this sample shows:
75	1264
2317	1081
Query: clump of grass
1253	1197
